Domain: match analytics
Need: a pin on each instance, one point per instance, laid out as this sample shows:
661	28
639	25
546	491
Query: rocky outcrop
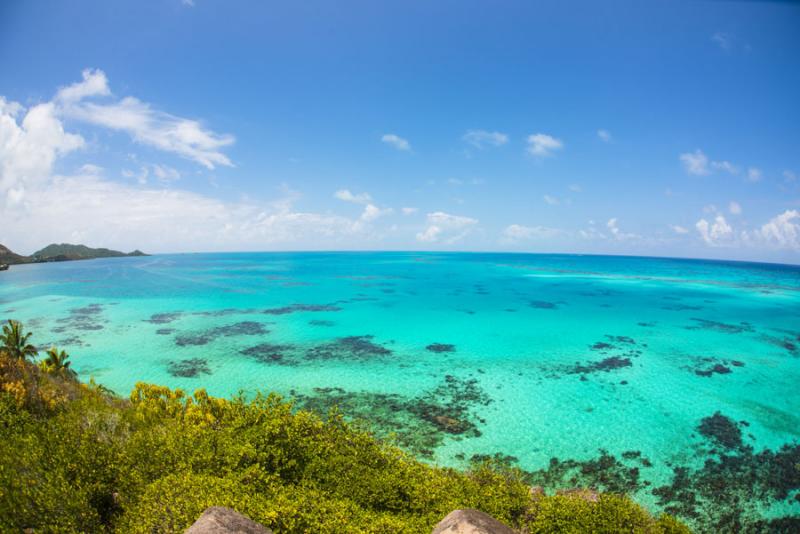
221	520
470	522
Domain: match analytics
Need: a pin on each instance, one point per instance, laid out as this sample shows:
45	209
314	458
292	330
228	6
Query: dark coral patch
321	322
721	430
348	348
542	305
165	331
706	324
295	308
419	424
268	352
716	369
441	347
611	363
85	318
189	368
243	328
163	318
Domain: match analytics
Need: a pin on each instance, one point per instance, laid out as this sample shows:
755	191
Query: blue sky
655	128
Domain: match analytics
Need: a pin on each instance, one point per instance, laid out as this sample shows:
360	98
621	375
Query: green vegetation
75	458
62	252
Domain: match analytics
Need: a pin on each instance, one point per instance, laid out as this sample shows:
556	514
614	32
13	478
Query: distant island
62	252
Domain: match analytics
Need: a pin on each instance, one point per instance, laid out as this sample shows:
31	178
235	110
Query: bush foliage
74	458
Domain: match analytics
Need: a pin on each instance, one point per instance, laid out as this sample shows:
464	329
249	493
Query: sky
641	128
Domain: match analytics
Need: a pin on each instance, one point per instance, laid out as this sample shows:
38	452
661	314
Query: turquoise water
669	379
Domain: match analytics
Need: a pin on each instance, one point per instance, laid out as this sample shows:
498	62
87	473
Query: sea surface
677	381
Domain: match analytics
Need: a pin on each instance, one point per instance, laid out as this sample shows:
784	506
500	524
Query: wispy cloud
482	138
604	135
446	228
396	141
722	40
754	174
553	201
543	145
185	137
347	196
517	232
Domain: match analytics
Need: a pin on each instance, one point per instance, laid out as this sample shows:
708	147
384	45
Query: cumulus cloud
347	196
446	228
482	138
396	141
604	135
695	162
715	233
618	234
372	212
30	147
543	145
87	207
782	231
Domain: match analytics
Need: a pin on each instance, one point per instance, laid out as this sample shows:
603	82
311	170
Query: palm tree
14	341
56	362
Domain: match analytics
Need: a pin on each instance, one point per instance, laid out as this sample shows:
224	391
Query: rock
470	522
221	520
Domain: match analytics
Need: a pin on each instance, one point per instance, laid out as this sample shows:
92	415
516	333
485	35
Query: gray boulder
470	522
221	520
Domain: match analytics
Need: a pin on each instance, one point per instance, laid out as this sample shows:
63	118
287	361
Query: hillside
62	252
66	252
10	258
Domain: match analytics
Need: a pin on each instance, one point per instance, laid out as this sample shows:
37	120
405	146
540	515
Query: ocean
673	380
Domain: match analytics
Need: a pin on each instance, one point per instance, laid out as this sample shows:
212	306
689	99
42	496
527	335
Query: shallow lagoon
669	379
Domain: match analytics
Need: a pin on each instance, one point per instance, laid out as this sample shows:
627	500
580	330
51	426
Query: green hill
10	258
67	252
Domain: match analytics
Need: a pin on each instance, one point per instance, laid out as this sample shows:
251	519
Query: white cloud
679	229
543	145
89	168
734	208
166	173
347	196
94	83
722	40
517	232
446	228
604	135
184	137
481	138
695	162
372	212
409	211
396	141
726	166
754	174
618	234
715	233
29	149
553	201
576	188
782	231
